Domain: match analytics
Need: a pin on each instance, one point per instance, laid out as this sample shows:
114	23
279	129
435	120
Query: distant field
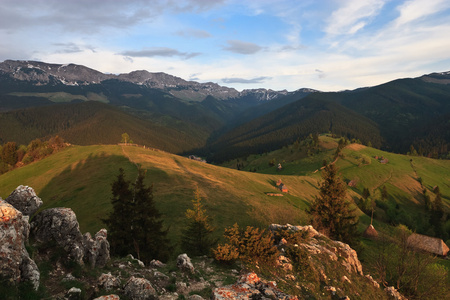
65	97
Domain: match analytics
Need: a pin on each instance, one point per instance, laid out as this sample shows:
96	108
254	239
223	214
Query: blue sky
327	45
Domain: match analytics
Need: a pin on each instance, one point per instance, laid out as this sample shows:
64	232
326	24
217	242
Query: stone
59	225
181	287
250	286
310	232
69	277
108	281
157	264
29	271
140	263
139	289
15	263
372	281
73	294
108	297
96	251
394	294
24	199
330	289
184	263
195	297
350	258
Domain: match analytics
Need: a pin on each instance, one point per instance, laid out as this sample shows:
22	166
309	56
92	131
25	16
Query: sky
327	45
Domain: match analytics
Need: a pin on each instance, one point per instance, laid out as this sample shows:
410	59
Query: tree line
13	155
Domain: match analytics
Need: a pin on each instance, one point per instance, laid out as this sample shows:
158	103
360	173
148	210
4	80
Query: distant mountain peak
41	73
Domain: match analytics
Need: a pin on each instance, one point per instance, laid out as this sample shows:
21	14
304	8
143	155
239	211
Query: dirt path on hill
128	156
389	178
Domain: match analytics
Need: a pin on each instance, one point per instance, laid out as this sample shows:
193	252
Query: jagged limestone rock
139	289
250	286
184	263
394	294
157	264
73	294
24	199
29	271
15	263
59	225
96	251
108	281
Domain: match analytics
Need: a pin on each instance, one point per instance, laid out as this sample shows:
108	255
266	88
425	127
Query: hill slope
291	122
80	177
93	123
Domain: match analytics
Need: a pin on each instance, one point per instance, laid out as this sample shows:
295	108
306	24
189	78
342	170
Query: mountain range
39	99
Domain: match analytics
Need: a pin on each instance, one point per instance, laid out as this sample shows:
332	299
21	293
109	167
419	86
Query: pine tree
149	239
118	222
134	224
196	238
331	213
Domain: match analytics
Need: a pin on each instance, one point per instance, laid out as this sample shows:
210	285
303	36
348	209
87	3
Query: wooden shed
429	244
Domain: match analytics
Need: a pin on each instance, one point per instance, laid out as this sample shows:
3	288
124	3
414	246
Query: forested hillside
292	122
90	123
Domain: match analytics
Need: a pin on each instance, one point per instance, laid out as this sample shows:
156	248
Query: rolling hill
80	177
94	122
289	123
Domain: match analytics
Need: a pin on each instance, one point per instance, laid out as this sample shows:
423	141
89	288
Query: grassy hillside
401	176
80	178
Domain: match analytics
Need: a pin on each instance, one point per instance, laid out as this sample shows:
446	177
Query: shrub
251	245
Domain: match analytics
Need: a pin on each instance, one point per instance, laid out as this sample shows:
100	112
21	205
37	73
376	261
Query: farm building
283	188
429	244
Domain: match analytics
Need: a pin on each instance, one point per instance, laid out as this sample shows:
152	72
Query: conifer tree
331	213
149	239
196	238
134	224
118	222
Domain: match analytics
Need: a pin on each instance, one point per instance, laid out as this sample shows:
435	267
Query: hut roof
370	232
428	243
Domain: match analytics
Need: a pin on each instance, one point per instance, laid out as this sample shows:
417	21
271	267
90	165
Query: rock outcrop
108	281
139	289
24	199
15	262
184	263
96	250
250	286
61	226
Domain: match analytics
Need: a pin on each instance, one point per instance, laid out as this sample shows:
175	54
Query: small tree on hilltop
331	213
126	139
196	238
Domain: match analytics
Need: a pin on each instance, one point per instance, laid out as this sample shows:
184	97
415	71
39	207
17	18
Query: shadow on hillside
85	187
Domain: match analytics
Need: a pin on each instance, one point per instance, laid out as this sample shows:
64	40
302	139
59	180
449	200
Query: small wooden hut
429	244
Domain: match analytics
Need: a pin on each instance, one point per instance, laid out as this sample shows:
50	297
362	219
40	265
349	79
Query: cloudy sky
327	45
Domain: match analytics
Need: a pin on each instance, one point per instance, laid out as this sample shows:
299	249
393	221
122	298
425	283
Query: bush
251	245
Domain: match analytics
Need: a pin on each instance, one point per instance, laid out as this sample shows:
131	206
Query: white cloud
418	9
352	16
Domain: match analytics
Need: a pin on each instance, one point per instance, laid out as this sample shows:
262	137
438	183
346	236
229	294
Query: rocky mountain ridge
41	73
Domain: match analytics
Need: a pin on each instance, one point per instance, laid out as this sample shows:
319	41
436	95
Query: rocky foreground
64	264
